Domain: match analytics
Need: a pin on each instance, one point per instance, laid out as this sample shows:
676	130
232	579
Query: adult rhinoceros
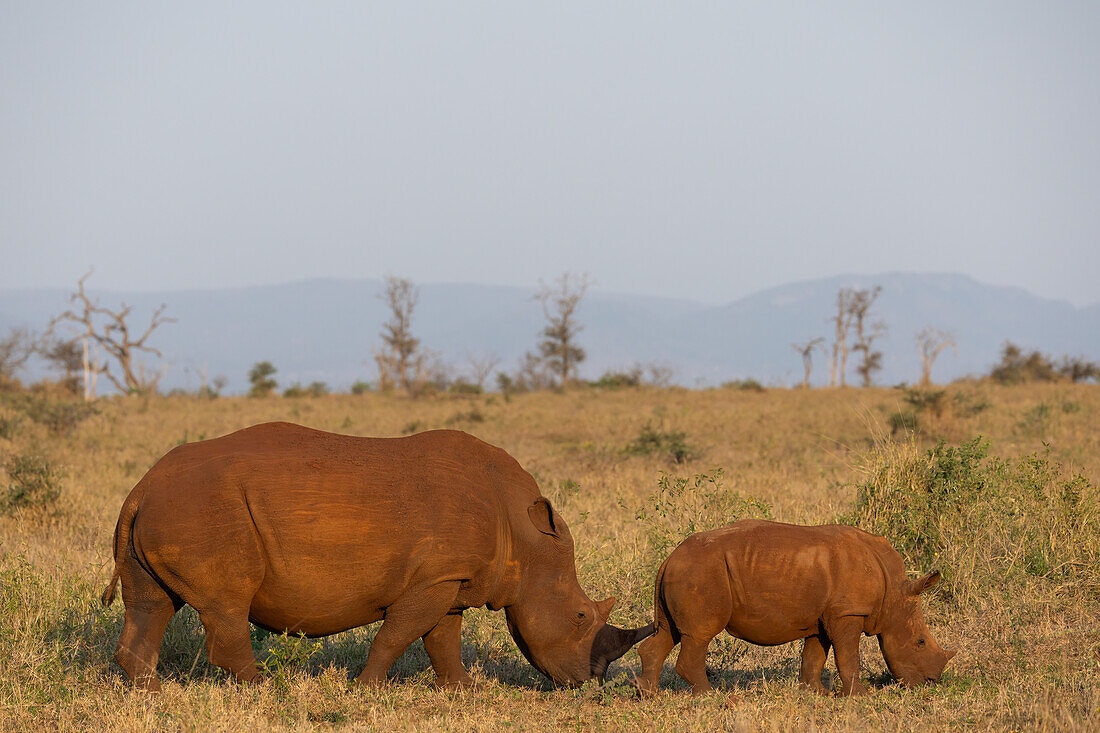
310	532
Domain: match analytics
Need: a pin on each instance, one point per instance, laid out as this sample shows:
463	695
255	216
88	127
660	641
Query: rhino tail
662	619
123	530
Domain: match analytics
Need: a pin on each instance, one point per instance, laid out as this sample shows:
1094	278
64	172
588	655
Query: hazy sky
696	150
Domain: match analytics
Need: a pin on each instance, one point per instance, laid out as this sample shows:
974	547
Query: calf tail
662	618
123	532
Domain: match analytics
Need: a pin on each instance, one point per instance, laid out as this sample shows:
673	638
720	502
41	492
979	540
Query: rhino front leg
815	650
444	646
410	617
845	633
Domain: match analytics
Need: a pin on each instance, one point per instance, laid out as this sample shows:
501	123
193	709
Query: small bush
360	387
990	526
904	421
284	654
930	400
618	380
461	386
414	427
472	416
747	385
32	481
651	440
60	417
9	426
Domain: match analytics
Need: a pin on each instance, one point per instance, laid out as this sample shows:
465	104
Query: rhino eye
580	614
920	642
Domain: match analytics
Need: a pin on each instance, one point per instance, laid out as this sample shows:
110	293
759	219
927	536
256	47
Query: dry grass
1025	662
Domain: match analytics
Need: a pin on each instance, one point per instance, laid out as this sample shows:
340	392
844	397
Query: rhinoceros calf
771	583
309	532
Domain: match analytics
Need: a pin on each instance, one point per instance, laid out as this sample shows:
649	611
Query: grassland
1029	648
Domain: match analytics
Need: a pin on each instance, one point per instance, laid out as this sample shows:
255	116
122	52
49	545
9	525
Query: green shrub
360	387
59	416
904	421
461	386
926	399
9	426
651	439
991	526
747	385
32	481
474	415
618	380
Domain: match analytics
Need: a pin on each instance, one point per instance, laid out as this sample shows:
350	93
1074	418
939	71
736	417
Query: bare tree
842	323
15	349
559	305
481	366
399	363
866	332
806	350
110	330
930	343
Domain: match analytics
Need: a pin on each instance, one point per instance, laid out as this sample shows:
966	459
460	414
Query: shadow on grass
88	635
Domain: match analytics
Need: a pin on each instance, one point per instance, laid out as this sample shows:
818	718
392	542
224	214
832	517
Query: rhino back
335	527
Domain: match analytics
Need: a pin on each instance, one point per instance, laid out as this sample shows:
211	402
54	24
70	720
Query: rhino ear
920	585
543	516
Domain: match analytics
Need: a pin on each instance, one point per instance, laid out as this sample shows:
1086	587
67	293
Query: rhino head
913	656
559	629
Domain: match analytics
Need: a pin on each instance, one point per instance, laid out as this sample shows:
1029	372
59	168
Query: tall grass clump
995	528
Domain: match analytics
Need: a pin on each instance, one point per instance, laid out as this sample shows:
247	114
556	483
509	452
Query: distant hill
324	329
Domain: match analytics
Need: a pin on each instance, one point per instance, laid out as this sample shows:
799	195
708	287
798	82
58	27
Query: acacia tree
399	361
558	347
110	331
806	351
866	332
930	343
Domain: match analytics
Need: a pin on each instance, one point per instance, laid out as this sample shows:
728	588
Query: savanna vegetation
993	484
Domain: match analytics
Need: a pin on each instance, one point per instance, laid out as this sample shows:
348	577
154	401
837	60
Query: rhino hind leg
845	634
815	650
692	663
410	617
444	646
229	643
149	608
654	651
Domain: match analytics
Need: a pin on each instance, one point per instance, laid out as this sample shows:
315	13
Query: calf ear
920	585
543	516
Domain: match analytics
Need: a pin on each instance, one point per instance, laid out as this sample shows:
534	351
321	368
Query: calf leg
692	663
413	615
149	608
815	650
444	646
654	651
845	633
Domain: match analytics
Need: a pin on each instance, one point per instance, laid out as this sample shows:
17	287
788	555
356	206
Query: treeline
90	340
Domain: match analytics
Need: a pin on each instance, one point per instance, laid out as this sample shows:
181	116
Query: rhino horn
612	642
